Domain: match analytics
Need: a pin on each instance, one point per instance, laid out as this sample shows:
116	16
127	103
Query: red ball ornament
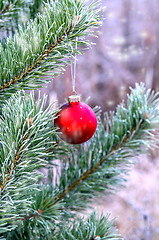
76	121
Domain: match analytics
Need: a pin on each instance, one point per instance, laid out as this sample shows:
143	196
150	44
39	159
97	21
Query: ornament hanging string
73	69
83	121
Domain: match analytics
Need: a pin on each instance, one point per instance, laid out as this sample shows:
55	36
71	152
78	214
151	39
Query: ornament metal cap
74	99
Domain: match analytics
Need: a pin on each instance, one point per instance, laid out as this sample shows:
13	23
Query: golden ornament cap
74	99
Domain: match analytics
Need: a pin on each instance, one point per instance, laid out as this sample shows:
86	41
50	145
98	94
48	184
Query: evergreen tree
34	205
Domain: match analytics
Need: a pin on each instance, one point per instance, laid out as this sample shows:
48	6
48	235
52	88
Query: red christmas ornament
76	121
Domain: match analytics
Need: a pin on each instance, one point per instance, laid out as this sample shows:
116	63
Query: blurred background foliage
126	51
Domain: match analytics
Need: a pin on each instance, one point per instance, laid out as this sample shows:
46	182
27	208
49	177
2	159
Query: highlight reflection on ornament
76	121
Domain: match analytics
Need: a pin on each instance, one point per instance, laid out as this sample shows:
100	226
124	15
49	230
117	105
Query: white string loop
73	69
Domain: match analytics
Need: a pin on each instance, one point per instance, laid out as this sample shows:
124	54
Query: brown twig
82	178
92	170
12	167
17	157
34	65
5	9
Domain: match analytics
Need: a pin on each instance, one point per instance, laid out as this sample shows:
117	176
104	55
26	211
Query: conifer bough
41	210
31	205
44	46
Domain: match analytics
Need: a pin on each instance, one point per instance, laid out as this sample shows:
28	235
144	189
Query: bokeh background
125	52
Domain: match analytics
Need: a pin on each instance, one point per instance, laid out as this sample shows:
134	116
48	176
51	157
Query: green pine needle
44	46
25	139
37	208
98	228
101	164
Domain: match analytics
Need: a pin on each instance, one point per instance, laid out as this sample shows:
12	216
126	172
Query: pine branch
26	131
101	164
45	44
80	229
94	229
93	168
